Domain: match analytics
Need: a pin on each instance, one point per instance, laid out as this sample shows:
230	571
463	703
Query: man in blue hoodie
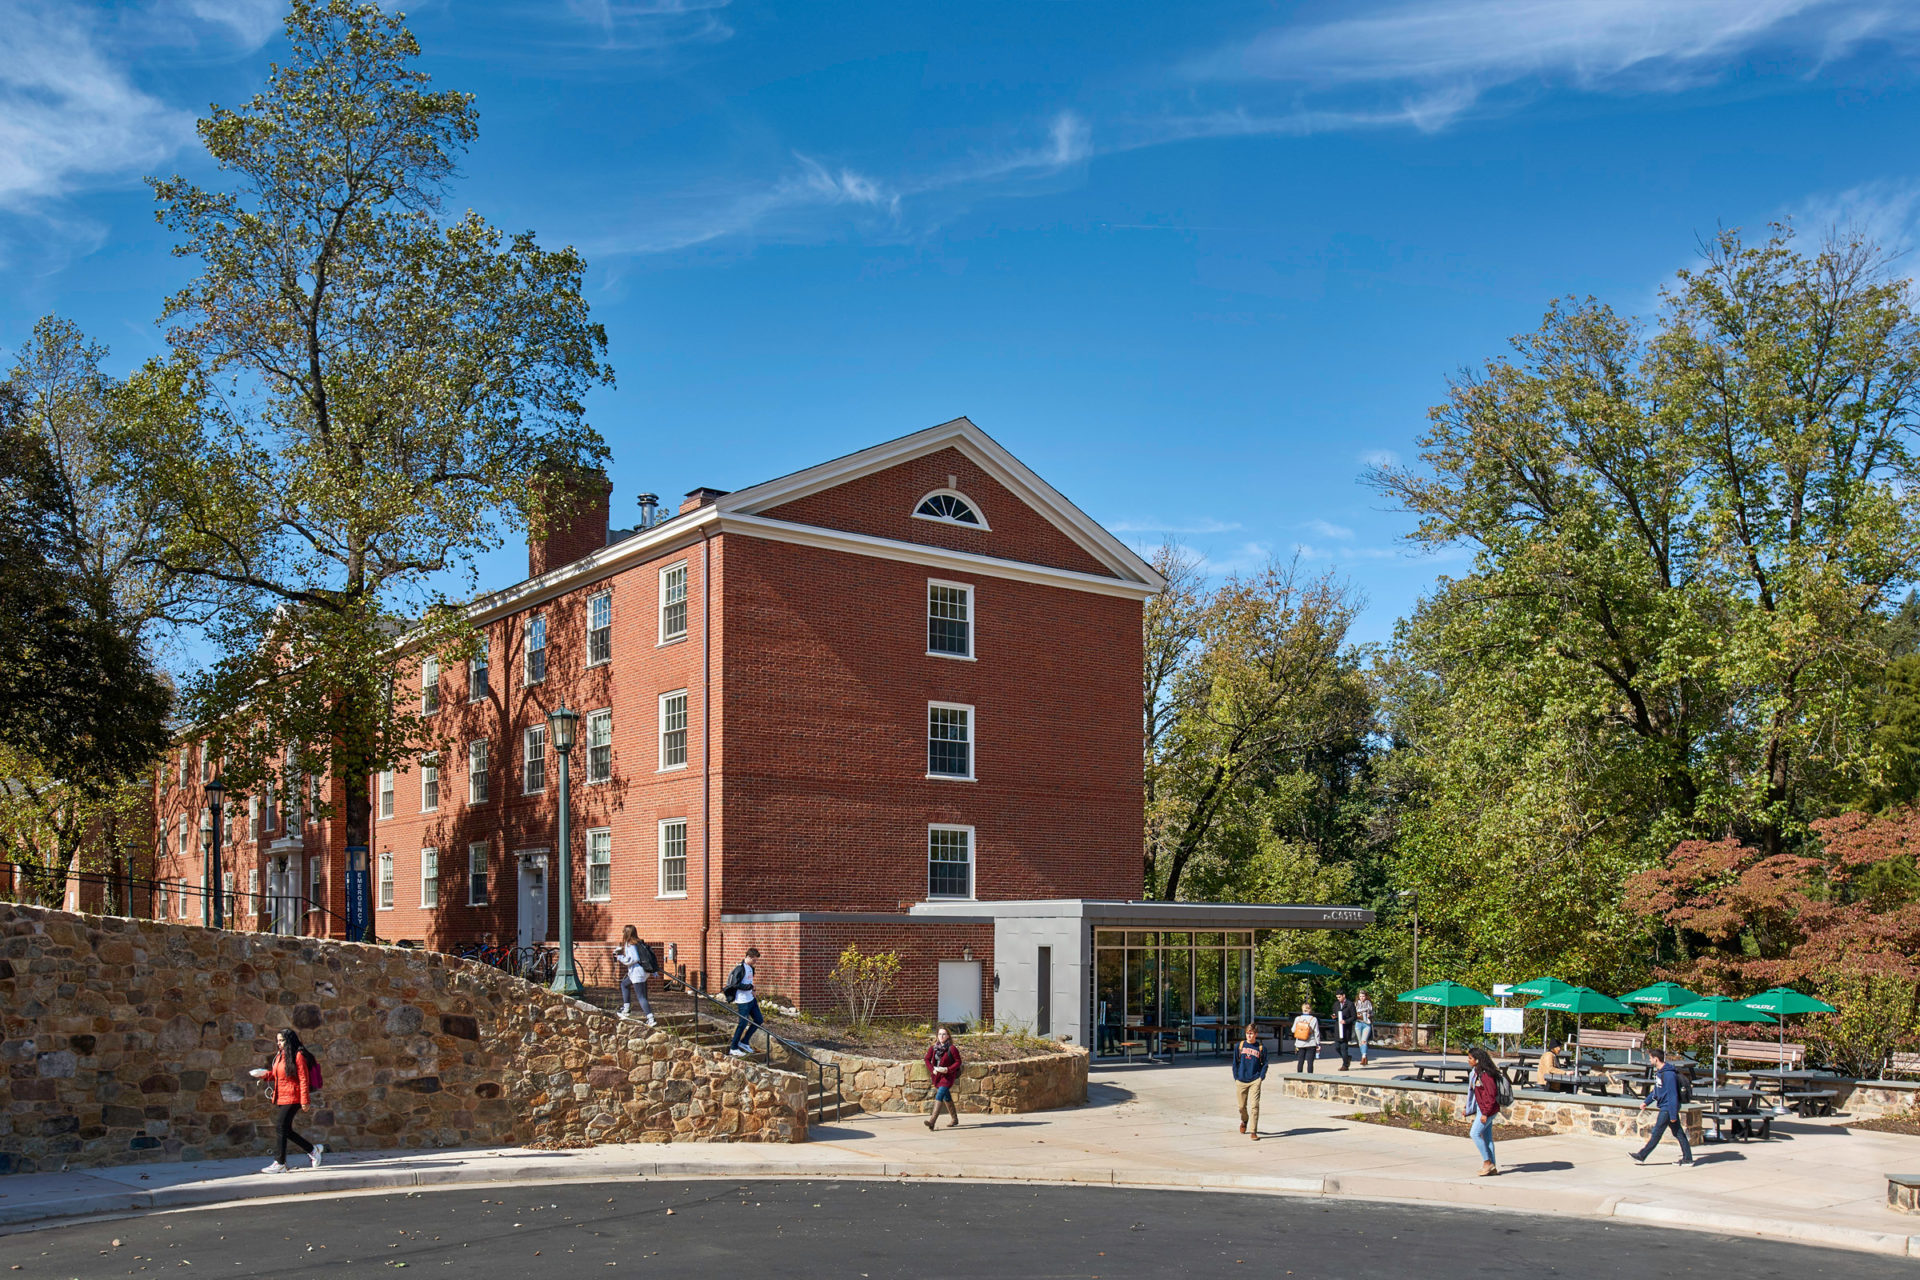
1249	1069
1666	1096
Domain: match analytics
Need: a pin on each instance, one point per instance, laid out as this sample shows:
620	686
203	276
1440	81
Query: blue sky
1197	264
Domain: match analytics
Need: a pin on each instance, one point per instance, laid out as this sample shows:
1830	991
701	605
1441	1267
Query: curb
1490	1196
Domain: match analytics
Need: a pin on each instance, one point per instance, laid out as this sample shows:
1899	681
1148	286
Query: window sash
477	771
477	874
429	686
599	865
386	793
429	877
599	746
536	650
477	678
534	760
386	882
673	857
429	784
599	629
673	730
673	602
949	619
949	741
949	862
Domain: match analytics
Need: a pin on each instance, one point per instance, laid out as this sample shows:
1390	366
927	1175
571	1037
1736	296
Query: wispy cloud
1177	524
651	24
1325	529
1379	458
69	115
1886	212
1434	61
252	22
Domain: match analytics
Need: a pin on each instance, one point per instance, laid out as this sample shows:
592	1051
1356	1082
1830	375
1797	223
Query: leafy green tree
361	393
1687	543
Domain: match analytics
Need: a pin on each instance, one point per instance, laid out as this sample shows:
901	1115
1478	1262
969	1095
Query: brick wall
796	956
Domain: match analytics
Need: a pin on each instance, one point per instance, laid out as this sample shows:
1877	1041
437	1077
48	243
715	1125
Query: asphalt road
883	1229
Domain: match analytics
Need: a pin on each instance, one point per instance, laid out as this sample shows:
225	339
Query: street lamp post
1414	895
560	727
216	800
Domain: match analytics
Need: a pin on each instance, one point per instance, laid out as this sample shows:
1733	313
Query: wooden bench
1789	1055
1625	1043
1903	1064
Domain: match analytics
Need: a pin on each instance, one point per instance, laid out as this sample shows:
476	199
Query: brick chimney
577	524
701	497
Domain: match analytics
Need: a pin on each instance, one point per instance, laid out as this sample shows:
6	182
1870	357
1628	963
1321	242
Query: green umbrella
1448	995
1542	987
1782	1001
1308	969
1579	1001
1717	1009
1663	995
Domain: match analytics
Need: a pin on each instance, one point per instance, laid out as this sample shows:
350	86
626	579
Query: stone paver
1156	1126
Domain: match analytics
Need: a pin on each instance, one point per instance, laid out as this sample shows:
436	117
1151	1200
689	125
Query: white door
960	991
533	902
285	880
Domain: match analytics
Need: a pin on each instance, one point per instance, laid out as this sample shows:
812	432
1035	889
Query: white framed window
386	882
477	673
266	807
206	763
950	506
253	892
477	874
949	861
429	686
160	904
599	745
429	877
533	769
183	766
673	602
186	836
386	793
477	771
673	858
314	889
232	908
429	783
253	817
673	730
536	669
600	865
183	898
600	629
949	619
949	740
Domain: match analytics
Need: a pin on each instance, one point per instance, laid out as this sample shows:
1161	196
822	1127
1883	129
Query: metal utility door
533	901
1043	1004
960	991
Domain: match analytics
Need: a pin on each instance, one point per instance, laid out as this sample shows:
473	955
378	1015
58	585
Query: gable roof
986	453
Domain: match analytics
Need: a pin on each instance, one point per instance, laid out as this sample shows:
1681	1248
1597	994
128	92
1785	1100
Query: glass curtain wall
1170	992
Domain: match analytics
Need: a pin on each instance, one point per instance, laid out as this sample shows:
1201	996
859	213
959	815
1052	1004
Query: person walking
739	990
1363	1024
1668	1094
1249	1072
1306	1039
1343	1029
295	1075
943	1068
1486	1085
638	964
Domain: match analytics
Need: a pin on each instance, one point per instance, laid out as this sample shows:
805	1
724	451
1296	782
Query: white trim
986	453
485	773
979	517
660	858
384	878
660	724
546	756
587	639
686	601
973	737
484	660
384	807
486	869
526	656
808	535
424	904
431	760
433	684
586	742
973	857
586	857
927	603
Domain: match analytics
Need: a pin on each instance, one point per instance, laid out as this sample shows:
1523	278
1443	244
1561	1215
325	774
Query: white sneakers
275	1167
738	1053
624	1008
319	1149
650	1021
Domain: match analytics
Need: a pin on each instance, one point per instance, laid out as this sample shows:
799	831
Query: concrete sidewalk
1150	1125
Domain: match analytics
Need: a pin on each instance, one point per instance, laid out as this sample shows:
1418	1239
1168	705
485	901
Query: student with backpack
1306	1039
295	1077
1249	1072
1672	1089
739	992
1489	1092
637	965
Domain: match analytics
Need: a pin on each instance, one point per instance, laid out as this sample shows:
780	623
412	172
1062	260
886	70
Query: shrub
862	981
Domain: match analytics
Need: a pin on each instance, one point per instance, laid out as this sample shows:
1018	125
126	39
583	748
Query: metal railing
709	1008
165	901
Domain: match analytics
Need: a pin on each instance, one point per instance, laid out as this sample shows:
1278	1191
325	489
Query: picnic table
1736	1111
1594	1082
1799	1089
1440	1072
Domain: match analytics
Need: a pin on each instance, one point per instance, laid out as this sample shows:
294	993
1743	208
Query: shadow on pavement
1539	1166
1298	1133
1718	1157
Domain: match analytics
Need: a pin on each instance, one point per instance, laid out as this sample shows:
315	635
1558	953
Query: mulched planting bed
1907	1124
1502	1132
905	1044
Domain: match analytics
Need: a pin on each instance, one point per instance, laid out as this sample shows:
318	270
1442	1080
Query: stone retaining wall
1039	1083
1560	1112
130	1040
1875	1099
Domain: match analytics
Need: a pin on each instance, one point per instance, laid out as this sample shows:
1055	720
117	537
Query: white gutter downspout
706	752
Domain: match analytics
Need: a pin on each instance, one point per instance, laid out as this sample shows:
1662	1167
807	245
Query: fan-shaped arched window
949	507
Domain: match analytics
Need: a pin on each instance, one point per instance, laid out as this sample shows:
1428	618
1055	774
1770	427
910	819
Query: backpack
313	1071
1303	1028
734	979
1683	1086
648	961
1503	1091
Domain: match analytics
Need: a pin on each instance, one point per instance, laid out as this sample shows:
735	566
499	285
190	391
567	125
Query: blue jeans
749	1015
1481	1131
1660	1127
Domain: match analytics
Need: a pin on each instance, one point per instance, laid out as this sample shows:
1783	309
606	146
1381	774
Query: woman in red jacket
1483	1104
293	1071
943	1068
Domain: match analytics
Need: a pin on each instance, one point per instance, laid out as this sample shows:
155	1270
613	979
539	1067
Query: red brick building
810	710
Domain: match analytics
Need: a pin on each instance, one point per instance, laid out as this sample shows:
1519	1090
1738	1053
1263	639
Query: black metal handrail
39	886
819	1068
